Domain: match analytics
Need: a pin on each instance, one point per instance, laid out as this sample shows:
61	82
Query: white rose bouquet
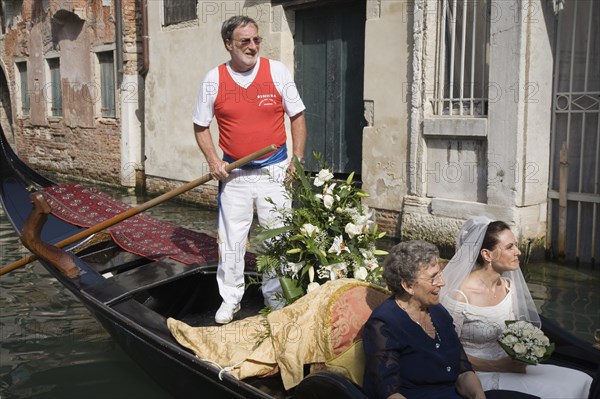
328	234
525	342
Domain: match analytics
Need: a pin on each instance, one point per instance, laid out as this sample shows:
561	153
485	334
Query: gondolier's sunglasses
246	42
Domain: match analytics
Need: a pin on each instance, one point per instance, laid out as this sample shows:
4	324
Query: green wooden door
329	73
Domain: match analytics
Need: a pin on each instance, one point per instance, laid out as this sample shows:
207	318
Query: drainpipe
119	41
145	40
140	175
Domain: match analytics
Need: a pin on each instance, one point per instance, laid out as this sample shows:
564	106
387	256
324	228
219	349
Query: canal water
50	347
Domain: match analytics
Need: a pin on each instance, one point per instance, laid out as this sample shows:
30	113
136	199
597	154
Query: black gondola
135	302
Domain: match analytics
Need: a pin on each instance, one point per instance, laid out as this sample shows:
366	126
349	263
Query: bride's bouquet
523	341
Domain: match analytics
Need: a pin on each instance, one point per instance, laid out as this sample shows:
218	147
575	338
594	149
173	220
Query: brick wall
204	195
387	221
82	154
80	144
131	36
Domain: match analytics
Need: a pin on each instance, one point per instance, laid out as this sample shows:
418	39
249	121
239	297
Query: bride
484	287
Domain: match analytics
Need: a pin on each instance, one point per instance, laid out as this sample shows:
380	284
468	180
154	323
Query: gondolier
249	97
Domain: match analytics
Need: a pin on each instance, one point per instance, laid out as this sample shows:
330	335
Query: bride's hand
504	364
511	366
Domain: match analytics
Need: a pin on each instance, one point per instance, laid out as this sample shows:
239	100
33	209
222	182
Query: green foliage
329	233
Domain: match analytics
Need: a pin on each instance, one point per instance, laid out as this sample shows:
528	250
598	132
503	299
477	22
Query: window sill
455	127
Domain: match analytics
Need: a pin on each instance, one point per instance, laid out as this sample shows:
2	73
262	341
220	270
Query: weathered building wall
79	143
495	165
388	78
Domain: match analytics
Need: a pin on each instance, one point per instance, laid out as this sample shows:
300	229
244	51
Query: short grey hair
232	24
405	261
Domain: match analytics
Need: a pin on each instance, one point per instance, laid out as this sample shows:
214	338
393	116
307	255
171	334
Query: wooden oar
146	205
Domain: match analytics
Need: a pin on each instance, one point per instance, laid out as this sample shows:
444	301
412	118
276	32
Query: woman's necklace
424	322
497	284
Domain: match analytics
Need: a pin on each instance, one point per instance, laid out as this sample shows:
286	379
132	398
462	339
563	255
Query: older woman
485	287
411	347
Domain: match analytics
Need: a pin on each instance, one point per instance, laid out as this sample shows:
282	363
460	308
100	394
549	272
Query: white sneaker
225	313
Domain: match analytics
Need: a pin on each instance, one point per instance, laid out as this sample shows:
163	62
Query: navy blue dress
401	357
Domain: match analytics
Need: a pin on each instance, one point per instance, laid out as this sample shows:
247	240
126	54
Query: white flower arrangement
525	342
328	234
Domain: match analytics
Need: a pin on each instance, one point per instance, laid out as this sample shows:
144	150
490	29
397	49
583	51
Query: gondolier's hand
290	173
217	169
291	170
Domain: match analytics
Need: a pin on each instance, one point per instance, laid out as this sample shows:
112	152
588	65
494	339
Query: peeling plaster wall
37	76
388	76
79	144
76	72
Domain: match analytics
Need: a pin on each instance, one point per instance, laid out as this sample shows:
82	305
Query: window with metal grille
22	68
177	11
54	92
463	42
107	84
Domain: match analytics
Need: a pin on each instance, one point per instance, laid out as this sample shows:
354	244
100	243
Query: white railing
462	66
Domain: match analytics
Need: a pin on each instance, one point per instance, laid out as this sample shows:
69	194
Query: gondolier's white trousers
238	195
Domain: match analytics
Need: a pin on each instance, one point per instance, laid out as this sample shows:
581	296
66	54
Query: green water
50	346
568	295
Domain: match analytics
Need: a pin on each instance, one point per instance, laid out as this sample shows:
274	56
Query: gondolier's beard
243	62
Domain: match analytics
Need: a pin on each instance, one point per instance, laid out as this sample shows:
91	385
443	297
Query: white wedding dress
479	327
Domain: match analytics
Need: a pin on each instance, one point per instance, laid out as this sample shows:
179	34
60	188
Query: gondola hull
178	375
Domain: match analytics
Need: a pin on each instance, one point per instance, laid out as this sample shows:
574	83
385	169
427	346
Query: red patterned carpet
140	234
